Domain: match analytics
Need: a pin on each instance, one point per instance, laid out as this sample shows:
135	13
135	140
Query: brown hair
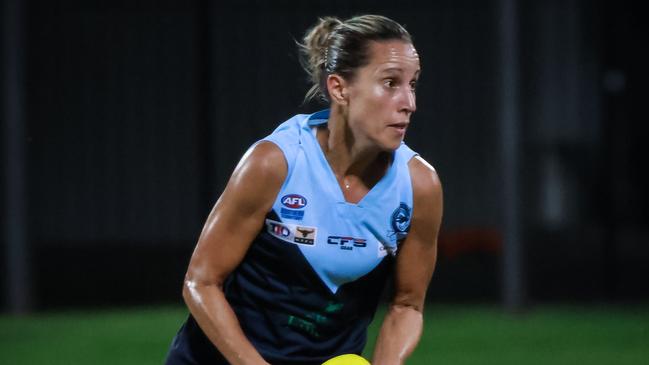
333	46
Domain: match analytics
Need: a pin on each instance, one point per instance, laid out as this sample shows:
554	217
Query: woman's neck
348	158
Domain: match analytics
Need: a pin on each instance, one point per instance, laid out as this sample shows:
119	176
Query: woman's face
381	96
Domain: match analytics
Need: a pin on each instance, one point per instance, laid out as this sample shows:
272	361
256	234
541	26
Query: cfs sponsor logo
347	243
291	233
294	201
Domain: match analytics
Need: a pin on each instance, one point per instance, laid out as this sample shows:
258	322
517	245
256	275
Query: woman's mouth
399	127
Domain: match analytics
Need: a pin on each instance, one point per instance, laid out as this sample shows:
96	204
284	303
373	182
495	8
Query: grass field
457	335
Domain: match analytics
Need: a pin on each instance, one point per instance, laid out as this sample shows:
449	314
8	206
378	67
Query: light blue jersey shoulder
341	241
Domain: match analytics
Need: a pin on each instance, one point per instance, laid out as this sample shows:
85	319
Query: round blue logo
401	218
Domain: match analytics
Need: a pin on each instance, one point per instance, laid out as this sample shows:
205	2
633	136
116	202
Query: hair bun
314	50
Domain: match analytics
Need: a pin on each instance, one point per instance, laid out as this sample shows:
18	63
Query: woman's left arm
415	264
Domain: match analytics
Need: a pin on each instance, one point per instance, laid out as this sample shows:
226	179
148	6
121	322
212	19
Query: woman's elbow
194	289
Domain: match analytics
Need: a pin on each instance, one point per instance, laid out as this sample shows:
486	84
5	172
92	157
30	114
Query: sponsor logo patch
294	201
278	229
347	243
305	235
291	233
291	214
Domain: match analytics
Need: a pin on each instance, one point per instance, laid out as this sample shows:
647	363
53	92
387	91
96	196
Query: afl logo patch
401	218
294	201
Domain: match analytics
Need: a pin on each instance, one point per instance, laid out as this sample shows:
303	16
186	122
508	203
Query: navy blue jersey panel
192	347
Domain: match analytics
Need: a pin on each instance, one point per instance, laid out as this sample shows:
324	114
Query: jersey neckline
320	118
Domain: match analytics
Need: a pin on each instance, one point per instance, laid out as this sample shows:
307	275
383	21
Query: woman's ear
337	88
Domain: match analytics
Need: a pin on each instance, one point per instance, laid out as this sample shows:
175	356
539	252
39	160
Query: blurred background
122	120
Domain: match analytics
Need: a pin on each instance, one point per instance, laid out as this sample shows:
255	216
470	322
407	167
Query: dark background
136	112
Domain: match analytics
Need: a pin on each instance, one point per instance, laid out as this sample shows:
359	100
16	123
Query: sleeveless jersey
310	282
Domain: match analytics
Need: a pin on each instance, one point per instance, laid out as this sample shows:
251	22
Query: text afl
294	201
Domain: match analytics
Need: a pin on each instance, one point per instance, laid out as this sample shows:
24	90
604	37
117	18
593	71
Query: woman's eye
390	83
413	86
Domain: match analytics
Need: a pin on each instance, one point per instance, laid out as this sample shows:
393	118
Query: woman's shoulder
286	138
418	167
264	160
424	176
405	153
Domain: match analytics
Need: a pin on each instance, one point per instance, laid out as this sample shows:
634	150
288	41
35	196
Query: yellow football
347	359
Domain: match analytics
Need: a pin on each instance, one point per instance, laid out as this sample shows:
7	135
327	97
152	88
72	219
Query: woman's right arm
235	220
